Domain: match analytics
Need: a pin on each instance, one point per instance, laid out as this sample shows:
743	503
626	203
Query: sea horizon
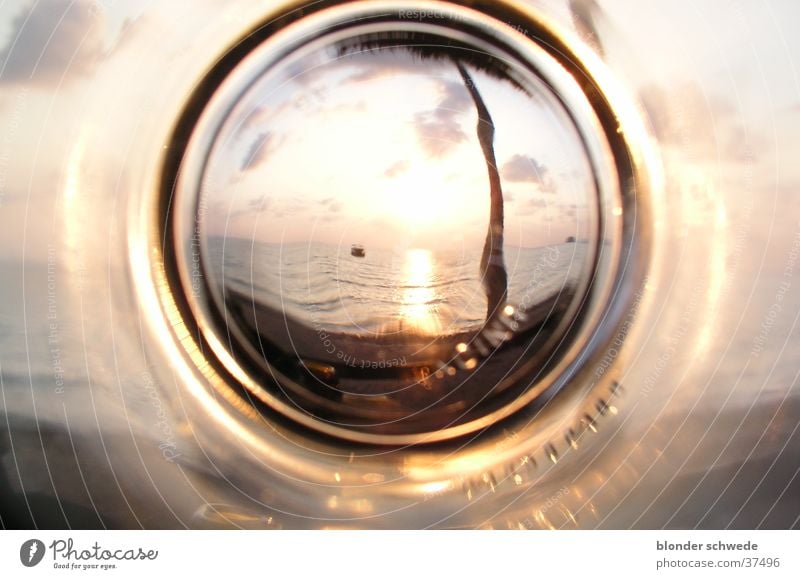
424	290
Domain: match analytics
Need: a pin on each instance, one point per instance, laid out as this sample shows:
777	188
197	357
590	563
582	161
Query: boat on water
357	250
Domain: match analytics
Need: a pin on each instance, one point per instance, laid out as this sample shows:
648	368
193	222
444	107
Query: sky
381	148
109	73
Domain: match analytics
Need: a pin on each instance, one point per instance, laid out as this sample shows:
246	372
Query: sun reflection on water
418	307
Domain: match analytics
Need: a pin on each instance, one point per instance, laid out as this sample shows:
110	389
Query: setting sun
424	197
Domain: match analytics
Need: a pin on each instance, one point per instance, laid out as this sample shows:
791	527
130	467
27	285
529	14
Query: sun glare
418	308
422	198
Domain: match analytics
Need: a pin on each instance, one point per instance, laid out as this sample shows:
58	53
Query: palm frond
424	46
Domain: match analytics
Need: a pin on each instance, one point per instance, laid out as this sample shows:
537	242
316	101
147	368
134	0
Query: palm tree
493	268
427	47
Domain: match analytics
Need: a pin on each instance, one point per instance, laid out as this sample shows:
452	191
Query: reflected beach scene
393	222
291	265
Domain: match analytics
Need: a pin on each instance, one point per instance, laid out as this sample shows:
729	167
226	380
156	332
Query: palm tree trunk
493	269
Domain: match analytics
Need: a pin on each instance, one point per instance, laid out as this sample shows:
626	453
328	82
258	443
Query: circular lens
394	227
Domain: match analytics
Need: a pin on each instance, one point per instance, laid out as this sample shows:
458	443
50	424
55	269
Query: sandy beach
398	374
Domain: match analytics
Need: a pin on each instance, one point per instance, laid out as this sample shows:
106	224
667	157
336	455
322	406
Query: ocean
425	290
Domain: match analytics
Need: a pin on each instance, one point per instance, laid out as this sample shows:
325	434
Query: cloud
252	207
537	203
438	136
257	117
677	112
397	169
533	206
258	151
381	63
52	40
524	169
331	205
584	15
439	130
260	203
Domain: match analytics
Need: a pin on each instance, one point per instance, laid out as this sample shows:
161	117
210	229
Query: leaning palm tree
428	47
493	268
